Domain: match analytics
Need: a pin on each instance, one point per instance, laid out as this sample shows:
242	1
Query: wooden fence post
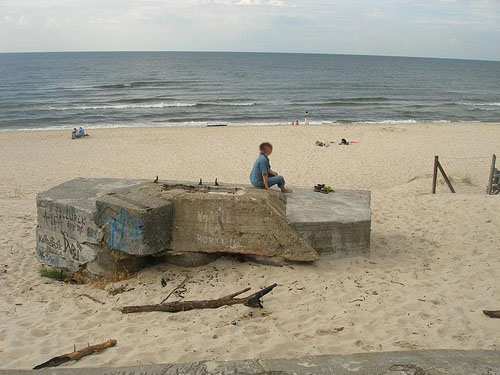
450	186
435	175
437	165
492	173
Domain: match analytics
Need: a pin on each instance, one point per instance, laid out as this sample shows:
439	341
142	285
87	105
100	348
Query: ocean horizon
132	89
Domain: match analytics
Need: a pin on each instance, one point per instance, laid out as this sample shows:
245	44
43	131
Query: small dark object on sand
216	183
156	180
201	182
492	314
163	283
233	322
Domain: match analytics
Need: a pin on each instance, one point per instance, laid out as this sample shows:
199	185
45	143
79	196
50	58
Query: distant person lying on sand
322	144
262	176
344	142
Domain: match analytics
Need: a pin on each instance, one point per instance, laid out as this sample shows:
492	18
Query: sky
431	28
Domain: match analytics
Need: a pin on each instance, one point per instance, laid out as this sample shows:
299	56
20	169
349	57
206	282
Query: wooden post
437	165
435	175
492	173
450	186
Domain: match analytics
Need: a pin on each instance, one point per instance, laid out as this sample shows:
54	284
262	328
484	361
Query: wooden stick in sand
176	288
252	300
492	314
76	354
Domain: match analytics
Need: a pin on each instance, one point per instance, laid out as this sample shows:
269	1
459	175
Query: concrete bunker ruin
108	227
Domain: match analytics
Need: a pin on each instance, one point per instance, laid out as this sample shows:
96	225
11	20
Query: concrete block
67	236
233	220
102	227
336	224
59	250
112	264
135	222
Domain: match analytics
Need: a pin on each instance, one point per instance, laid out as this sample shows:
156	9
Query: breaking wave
480	104
119	106
138	105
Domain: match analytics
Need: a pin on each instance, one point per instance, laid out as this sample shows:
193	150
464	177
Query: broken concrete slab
129	219
67	236
70	207
133	221
233	220
336	224
423	362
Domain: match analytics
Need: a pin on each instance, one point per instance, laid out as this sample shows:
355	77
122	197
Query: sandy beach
434	265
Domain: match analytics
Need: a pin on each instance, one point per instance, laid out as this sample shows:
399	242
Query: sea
135	89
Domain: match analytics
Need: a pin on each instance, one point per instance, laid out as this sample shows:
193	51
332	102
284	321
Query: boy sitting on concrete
262	176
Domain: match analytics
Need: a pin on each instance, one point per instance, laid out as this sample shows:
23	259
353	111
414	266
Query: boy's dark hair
265	144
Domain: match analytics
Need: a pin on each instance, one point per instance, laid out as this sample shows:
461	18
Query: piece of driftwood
120	289
173	290
492	314
76	354
91	298
253	300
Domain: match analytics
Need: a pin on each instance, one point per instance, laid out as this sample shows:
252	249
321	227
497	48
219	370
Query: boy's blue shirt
260	166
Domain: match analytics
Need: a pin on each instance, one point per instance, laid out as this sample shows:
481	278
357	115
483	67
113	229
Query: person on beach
262	176
306	118
81	132
344	142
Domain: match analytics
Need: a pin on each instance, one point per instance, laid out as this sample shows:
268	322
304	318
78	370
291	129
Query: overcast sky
434	28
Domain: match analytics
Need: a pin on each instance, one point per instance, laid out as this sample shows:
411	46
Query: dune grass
51	273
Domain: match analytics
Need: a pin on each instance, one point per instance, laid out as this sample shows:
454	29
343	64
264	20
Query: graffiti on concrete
50	243
67	247
124	229
46	258
71	247
222	241
213	223
61	217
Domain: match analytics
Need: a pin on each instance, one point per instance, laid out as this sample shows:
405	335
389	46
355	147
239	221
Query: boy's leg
276	180
280	181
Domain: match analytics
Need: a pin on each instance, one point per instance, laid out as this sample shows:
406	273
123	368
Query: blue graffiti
124	230
46	258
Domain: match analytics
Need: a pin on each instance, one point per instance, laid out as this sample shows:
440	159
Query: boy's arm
265	170
265	178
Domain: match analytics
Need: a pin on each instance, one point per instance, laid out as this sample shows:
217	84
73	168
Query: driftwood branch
253	300
76	354
92	298
492	314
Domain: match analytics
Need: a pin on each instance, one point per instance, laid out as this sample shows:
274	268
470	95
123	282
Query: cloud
250	2
394	27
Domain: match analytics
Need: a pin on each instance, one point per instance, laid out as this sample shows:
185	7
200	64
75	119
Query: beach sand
434	265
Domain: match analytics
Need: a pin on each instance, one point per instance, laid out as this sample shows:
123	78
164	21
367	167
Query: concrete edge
424	362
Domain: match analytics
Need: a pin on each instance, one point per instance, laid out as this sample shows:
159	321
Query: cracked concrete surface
424	362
